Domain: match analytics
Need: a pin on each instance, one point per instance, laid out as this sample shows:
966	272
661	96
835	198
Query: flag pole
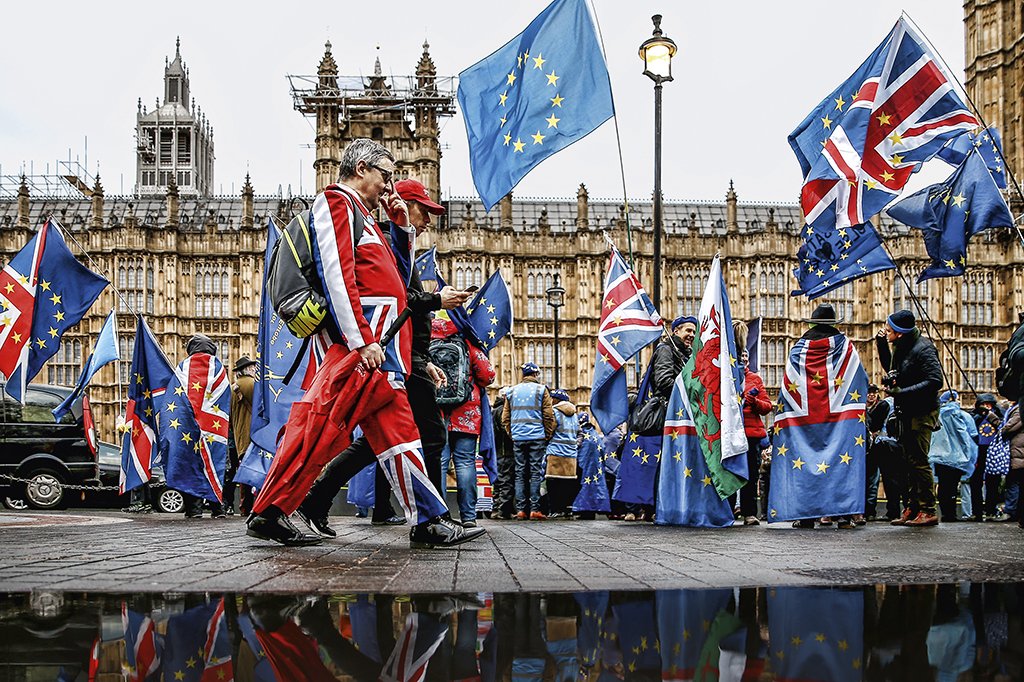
934	330
981	118
618	142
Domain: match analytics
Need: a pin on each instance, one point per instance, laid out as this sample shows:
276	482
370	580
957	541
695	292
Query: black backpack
292	281
451	355
1010	379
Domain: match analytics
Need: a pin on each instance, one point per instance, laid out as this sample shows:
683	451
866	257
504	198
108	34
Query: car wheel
44	490
170	501
15	503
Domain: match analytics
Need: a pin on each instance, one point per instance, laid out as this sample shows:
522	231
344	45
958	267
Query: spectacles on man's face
384	173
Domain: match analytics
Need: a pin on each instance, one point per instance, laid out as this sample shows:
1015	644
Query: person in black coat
671	354
913	379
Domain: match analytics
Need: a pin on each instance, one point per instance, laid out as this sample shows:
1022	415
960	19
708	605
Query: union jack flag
820	433
194	426
18	281
142	645
420	637
629	321
861	144
151	371
197	646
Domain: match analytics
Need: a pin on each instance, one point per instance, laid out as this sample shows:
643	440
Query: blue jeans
529	453
462	448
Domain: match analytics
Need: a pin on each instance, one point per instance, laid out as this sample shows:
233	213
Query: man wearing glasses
365	293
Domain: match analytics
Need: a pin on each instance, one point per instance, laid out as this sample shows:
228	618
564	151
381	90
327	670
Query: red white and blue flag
44	291
629	321
194	427
142	644
861	144
147	384
820	434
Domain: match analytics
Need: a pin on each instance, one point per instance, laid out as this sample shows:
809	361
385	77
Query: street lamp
556	299
657	52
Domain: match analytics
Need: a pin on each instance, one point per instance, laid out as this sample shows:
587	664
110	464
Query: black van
34	446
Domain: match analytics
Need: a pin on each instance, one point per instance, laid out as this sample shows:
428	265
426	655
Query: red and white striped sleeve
333	218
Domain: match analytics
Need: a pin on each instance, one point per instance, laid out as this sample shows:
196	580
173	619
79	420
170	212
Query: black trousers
340	470
504	488
949	483
748	493
561	493
916	440
983	487
893	468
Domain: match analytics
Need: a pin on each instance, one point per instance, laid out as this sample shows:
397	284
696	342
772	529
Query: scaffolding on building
355	97
64	180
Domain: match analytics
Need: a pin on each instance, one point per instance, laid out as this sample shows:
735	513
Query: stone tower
174	141
400	112
994	71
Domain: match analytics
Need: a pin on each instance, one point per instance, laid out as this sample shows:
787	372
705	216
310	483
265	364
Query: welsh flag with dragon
713	378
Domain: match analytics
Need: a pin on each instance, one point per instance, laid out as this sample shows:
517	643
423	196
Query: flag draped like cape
820	441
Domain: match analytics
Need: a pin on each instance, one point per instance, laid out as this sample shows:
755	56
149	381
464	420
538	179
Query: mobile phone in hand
471	289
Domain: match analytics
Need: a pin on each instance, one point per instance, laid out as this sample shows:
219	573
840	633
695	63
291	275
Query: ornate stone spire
426	72
328	69
23	203
731	220
247	203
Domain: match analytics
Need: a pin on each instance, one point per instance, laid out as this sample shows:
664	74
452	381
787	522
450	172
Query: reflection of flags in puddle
593	607
638	635
198	646
141	644
262	671
685	624
816	633
420	637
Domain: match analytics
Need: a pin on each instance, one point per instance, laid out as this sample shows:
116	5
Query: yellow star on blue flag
536	95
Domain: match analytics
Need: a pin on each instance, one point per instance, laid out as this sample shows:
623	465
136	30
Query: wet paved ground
99	551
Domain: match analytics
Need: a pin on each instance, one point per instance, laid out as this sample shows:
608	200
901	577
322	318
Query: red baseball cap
413	190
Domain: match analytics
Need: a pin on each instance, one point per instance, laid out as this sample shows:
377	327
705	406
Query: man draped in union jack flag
629	321
860	145
194	427
820	432
151	371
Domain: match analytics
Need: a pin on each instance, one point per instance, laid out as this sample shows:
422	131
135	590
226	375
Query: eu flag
593	495
686	495
426	265
951	212
490	312
685	619
542	91
634	483
198	646
64	291
832	256
816	633
147	384
276	351
104	352
820	433
988	143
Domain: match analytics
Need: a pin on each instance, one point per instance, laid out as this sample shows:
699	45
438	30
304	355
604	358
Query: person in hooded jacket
197	345
671	354
953	453
561	456
987	418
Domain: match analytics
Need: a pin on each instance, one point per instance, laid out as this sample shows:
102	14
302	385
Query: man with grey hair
365	293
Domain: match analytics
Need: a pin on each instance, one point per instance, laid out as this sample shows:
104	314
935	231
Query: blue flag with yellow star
490	312
634	483
426	265
638	636
816	633
64	291
951	212
988	143
198	645
685	619
593	494
543	90
820	433
686	493
832	256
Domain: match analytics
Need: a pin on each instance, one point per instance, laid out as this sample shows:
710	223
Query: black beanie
902	321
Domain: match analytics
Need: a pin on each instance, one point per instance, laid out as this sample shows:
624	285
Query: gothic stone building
191	262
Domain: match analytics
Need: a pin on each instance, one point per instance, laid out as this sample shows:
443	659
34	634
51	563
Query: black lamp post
556	299
657	52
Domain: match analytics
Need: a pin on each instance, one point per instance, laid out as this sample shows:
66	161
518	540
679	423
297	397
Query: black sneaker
441	532
318	524
279	529
390	521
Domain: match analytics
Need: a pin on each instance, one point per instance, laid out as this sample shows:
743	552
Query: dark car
46	453
164	499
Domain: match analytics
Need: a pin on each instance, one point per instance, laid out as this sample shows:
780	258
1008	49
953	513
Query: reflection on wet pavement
918	632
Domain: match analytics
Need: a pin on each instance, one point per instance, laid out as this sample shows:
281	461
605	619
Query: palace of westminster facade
192	262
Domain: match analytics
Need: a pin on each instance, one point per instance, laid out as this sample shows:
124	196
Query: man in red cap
419	384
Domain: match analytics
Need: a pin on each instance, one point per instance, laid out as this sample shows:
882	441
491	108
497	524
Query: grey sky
746	73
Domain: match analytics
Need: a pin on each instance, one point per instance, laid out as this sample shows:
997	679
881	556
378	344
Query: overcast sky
747	72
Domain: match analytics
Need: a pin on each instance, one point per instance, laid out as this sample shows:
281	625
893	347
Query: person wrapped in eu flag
195	434
593	493
820	429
